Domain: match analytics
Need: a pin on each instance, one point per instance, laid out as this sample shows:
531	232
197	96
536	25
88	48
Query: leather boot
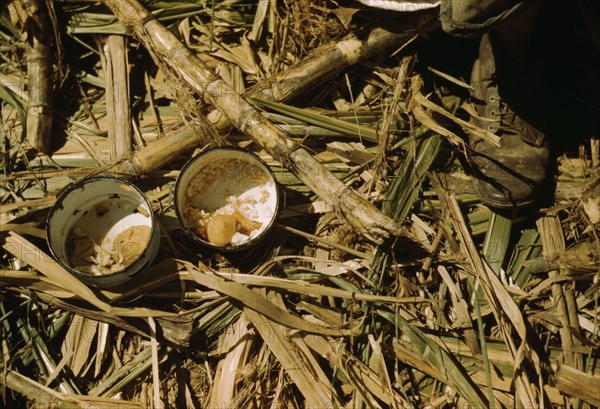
507	105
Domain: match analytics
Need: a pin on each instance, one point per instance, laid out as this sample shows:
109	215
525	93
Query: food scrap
245	226
89	256
129	245
221	229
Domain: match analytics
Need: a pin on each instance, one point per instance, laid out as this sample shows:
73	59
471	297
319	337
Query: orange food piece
246	226
130	244
220	229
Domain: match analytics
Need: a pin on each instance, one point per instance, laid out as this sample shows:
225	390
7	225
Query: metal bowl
226	198
103	230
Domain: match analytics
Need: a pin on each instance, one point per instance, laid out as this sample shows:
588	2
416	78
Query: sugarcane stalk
579	384
29	388
329	60
42	395
361	214
116	73
321	65
39	76
157	153
553	244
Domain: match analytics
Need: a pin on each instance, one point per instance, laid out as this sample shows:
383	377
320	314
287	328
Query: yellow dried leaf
591	207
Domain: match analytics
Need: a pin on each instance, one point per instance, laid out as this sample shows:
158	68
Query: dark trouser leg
473	18
514	33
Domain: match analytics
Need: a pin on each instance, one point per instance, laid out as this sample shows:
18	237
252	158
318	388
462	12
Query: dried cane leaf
78	342
296	358
235	343
250	299
444	364
26	251
362	378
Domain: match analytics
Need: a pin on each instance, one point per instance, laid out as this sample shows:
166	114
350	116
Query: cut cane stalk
553	244
329	60
39	76
42	395
321	65
362	215
113	52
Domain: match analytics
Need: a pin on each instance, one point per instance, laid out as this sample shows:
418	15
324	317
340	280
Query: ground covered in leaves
465	308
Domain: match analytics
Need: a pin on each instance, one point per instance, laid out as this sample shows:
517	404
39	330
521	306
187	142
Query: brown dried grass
317	315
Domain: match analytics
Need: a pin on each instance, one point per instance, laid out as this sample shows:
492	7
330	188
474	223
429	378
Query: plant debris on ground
385	282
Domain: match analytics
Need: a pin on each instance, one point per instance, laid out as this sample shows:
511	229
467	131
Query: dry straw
386	284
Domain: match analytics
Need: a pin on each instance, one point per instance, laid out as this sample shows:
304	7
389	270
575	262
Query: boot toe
510	176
